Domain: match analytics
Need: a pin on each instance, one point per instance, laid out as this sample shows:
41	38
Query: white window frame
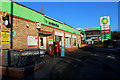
68	36
74	37
57	33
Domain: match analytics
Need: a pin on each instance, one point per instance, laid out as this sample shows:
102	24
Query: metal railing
23	57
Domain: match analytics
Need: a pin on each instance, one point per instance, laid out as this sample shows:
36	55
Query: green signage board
28	14
13	33
50	40
105	29
106	36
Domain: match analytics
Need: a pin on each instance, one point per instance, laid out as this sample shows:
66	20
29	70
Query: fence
22	57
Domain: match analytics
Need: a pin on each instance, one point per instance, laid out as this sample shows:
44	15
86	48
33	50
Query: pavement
82	64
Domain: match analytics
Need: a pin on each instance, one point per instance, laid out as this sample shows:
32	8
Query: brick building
25	34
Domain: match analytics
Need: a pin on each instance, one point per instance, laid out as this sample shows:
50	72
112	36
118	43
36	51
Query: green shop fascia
28	14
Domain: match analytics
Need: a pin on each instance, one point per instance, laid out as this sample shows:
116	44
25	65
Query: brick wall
22	33
20	40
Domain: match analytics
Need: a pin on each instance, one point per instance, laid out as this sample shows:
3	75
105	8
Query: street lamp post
11	28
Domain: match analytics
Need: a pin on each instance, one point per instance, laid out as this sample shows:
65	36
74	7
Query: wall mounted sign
61	26
59	33
32	41
67	35
50	41
73	36
38	25
5	37
13	33
51	23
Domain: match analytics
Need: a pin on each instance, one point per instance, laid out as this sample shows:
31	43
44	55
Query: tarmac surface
82	64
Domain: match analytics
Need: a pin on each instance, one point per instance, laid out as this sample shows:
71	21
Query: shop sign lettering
51	23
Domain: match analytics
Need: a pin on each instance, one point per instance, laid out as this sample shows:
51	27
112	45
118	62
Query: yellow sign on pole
104	39
5	37
4	13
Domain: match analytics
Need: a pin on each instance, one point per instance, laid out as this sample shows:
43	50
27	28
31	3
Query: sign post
105	30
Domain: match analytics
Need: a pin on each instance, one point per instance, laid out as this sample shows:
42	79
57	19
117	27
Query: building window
56	38
67	41
59	38
74	41
41	41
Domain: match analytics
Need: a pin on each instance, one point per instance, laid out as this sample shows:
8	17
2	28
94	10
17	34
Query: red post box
57	48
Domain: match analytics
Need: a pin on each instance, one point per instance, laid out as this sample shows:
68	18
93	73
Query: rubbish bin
62	51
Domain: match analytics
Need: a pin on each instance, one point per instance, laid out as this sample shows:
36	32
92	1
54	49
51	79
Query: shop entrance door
42	42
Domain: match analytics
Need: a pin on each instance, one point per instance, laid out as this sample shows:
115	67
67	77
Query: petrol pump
57	48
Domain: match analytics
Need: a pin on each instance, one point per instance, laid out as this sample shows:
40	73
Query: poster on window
50	41
32	41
